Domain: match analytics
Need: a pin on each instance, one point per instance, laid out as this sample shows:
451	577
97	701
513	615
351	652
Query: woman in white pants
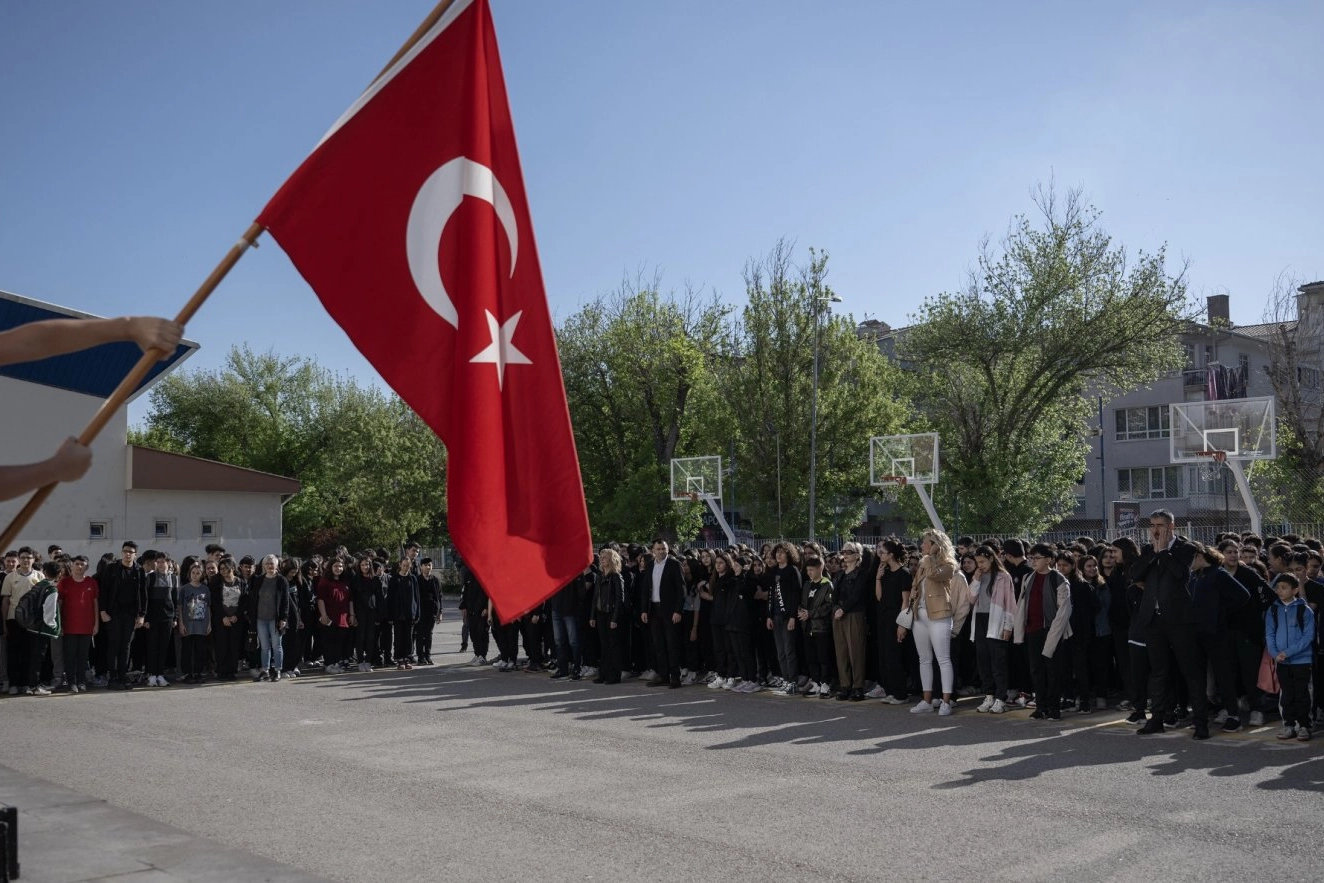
938	586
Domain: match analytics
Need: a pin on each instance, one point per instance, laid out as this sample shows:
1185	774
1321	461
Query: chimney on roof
1218	309
1312	288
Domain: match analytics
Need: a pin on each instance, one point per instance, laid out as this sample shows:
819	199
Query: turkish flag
411	223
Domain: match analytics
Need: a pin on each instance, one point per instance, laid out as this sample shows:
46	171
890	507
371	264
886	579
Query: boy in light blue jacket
1289	638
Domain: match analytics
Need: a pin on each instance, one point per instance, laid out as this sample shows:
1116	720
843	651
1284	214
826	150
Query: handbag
906	619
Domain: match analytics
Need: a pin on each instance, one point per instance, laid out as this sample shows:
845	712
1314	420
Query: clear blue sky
139	138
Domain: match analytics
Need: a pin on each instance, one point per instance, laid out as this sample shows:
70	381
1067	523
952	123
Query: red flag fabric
410	222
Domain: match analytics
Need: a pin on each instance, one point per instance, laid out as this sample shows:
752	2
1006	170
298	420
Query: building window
1209	354
211	529
1189	350
1150	483
98	530
1243	362
1134	424
164	529
1308	378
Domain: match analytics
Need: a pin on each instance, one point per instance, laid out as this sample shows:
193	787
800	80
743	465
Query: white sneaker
161	681
688	679
746	687
649	675
1256	718
998	707
332	669
810	688
876	693
43	690
937	703
587	671
945	709
889	699
1221	717
786	689
775	682
824	690
365	666
986	705
922	708
716	683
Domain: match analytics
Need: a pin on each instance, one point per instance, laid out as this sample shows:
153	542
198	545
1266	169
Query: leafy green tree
372	472
639	376
1002	368
767	391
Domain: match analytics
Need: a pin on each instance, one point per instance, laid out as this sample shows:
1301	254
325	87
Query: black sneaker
1136	717
1152	726
1231	725
1038	714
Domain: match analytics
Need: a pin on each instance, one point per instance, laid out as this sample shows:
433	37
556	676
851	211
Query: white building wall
249	524
37	419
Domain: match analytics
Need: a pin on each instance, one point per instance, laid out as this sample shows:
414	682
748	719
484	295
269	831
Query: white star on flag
501	352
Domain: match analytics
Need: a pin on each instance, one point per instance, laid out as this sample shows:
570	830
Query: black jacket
820	600
609	597
672	592
850	591
216	587
473	597
429	597
123	590
1165	575
1214	595
282	597
401	598
1084	608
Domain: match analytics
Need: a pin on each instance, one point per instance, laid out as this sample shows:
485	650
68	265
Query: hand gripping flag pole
130	382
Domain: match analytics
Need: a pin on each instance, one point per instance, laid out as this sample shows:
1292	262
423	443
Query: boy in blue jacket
1289	636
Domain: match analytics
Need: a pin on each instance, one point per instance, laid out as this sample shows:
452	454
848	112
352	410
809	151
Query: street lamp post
821	301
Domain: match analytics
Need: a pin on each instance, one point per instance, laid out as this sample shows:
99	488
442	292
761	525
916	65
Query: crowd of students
1175	633
136	621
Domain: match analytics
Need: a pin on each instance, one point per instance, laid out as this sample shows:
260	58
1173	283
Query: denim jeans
268	637
565	631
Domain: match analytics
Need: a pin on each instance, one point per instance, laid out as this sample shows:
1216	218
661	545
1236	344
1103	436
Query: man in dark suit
663	592
1168	622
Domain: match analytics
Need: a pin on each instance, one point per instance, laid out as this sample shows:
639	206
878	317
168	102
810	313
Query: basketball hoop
898	480
1216	456
694	498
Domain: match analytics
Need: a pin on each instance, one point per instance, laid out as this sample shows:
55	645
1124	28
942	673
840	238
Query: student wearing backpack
38	612
1289	638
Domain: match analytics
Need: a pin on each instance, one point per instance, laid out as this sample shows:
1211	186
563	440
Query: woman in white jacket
993	601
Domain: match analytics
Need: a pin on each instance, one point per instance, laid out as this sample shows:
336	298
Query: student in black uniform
429	611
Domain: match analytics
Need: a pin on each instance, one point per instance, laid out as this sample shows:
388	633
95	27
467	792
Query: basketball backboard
912	457
696	477
1243	429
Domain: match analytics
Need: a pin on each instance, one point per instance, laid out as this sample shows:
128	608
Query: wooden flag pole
134	377
151	357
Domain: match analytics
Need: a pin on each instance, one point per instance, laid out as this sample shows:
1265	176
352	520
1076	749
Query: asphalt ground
459	773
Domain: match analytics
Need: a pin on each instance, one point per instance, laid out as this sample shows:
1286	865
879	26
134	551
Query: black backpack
28	612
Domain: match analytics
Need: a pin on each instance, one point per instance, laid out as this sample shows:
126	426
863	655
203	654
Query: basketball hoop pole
719	515
928	507
1243	486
